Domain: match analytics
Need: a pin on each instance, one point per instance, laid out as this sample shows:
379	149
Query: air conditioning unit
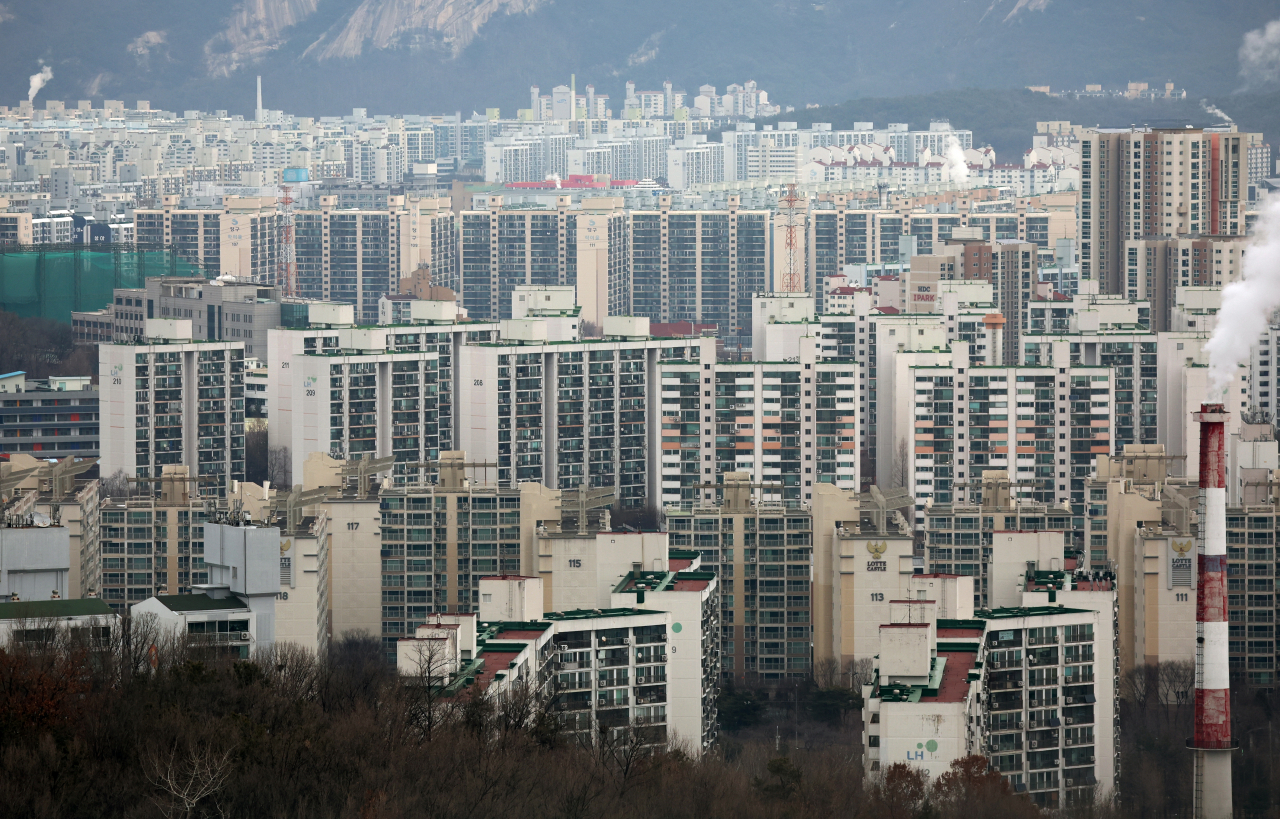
1068	720
244	635
1035	744
751	560
563	647
1070	700
626	641
1090	757
1031	661
1069	742
1070	782
997	664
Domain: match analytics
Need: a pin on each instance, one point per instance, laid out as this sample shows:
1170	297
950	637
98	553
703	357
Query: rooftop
199	602
45	609
1026	611
954	686
596	614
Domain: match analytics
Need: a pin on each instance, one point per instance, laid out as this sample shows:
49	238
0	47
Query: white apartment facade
173	400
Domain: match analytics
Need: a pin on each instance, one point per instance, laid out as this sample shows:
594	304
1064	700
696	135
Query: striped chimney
1212	742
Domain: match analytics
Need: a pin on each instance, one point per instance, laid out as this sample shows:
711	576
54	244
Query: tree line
129	722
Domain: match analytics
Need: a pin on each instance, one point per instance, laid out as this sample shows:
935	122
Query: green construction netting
50	281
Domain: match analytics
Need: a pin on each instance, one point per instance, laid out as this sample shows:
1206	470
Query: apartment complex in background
52	417
1138	183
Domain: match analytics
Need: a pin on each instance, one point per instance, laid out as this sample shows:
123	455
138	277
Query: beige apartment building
1147	182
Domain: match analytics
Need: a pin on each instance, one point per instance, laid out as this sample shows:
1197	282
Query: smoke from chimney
957	166
1247	304
39	81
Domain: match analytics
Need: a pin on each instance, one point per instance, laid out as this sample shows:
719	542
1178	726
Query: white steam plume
957	167
1215	111
1260	55
1247	304
39	81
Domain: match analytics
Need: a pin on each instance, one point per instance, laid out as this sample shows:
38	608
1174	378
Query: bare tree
826	672
589	329
427	706
1175	683
902	466
116	485
1138	686
280	467
860	672
624	750
186	778
294	670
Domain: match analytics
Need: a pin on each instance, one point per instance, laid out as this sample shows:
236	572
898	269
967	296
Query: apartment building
604	673
1144	182
219	309
53	489
991	534
505	247
1032	688
599	429
1064	418
584	570
760	419
173	400
240	239
793	592
694	161
151	542
398	555
1106	331
1141	529
699	265
56	417
367	404
357	255
329	328
872	338
1157	267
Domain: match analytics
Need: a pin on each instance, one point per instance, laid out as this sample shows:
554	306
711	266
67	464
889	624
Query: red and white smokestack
1212	742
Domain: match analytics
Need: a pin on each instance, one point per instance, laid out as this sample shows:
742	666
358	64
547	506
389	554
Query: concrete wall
35	562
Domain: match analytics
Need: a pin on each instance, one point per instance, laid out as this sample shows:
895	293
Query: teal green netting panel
52	281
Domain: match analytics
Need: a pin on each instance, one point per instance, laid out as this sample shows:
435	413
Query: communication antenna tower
793	247
287	270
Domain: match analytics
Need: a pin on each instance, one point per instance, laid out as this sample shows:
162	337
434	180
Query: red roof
494	661
959	632
518	634
891	311
955	677
690	585
844	291
677	564
904	625
678	329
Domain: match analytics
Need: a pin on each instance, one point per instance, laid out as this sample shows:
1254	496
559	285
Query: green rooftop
46	609
595	614
1025	611
200	602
